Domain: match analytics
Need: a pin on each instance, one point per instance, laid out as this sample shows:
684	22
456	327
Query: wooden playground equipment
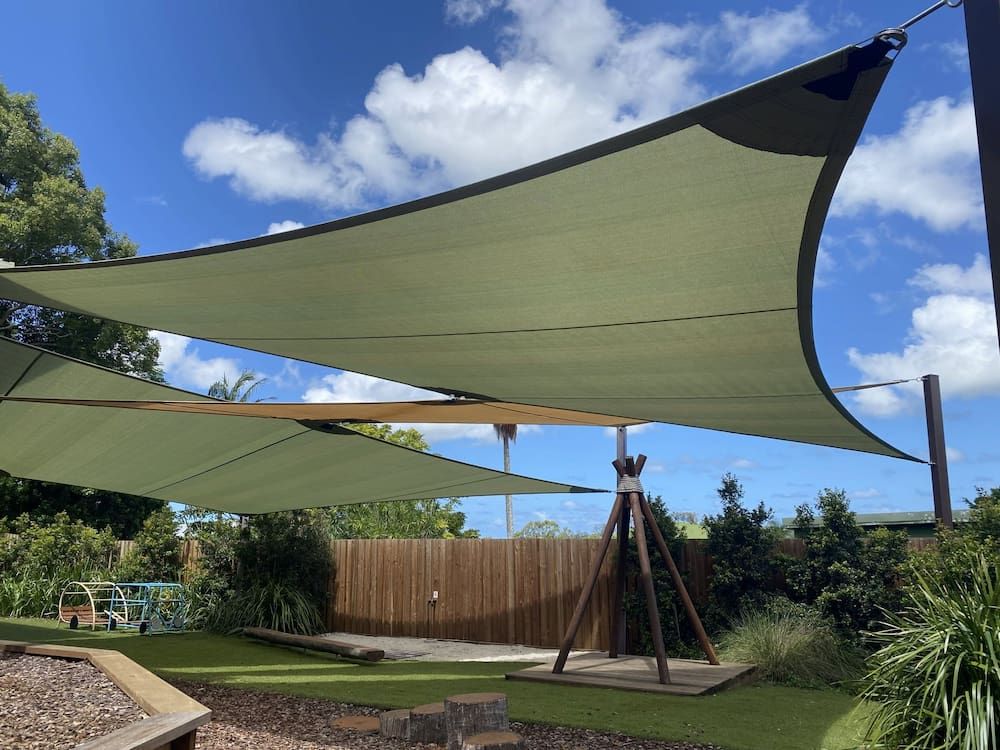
150	607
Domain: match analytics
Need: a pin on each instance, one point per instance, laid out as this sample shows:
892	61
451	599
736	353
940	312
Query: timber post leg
588	589
617	644
652	608
692	613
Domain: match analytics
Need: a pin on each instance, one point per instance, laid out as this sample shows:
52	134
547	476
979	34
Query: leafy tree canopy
548	529
49	215
42	502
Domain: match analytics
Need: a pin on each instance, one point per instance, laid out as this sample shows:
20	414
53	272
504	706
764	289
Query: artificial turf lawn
748	718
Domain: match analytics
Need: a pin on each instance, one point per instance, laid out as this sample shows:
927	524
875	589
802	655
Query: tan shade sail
412	412
231	463
662	275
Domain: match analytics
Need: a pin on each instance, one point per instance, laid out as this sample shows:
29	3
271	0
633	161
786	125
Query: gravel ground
57	703
243	718
429	649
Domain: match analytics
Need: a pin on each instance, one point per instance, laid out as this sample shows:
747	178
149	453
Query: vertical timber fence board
491	590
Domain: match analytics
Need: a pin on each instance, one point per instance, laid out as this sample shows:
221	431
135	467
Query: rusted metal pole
588	588
938	451
652	606
675	576
982	30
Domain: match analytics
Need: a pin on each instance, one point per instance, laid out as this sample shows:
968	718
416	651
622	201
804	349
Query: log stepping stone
395	724
357	723
474	713
494	741
427	724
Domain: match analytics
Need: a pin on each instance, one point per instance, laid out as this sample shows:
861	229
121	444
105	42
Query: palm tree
240	390
508	434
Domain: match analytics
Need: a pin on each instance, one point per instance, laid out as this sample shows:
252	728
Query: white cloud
954	454
469	11
743	463
866	494
276	227
184	366
825	266
571	72
951	278
633	429
927	170
953	335
351	387
761	41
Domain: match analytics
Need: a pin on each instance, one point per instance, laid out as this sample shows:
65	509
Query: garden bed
246	718
52	703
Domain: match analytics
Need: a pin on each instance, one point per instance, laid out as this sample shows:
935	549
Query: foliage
791	644
156	555
678	636
40	560
936	679
765	716
210	585
241	390
271	604
741	545
548	529
984	515
49	215
849	574
123	514
399	519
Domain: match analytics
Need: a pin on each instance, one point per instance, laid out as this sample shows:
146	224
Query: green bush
156	555
39	560
848	574
272	604
935	683
742	547
791	644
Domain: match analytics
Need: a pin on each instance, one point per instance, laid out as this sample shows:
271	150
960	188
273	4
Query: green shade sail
238	464
662	275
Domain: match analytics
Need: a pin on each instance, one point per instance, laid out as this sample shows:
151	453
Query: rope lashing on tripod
628	484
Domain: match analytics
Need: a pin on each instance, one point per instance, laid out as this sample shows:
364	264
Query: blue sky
208	122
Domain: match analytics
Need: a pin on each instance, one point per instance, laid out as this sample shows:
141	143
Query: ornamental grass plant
791	644
935	682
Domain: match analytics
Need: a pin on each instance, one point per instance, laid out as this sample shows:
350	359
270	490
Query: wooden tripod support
630	501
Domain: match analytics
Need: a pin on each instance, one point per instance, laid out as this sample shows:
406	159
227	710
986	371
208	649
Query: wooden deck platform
638	673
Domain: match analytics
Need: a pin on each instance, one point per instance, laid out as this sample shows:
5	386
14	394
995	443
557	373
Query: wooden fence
492	590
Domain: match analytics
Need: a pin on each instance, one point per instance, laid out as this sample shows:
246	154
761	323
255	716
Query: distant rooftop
912	518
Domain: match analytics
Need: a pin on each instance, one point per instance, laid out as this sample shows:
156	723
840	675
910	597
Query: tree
156	555
42	501
547	529
848	574
399	519
239	391
741	545
49	215
507	433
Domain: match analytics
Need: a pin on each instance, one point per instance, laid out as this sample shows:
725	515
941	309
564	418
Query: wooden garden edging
174	717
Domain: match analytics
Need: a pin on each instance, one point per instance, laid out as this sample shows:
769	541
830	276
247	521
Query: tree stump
427	724
395	724
474	713
494	741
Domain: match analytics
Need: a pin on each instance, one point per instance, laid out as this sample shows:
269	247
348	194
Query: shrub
40	560
271	604
156	555
791	644
742	546
935	682
848	574
984	515
678	637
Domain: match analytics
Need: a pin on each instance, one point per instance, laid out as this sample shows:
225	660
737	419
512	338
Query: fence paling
491	590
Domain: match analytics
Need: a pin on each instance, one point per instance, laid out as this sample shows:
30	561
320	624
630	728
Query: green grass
750	718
